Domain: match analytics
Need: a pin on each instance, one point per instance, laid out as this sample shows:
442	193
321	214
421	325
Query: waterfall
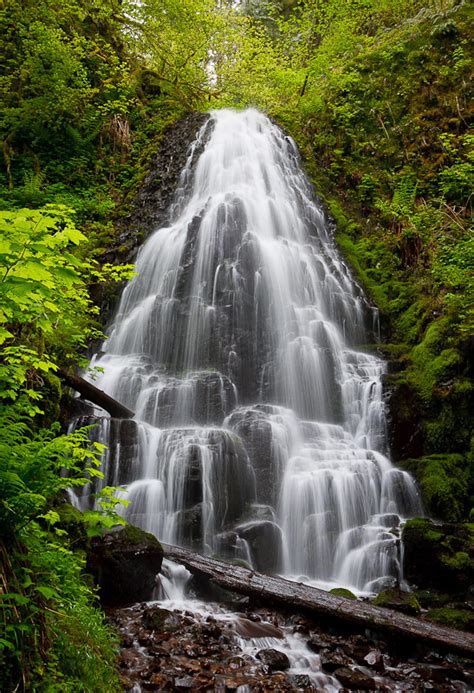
260	427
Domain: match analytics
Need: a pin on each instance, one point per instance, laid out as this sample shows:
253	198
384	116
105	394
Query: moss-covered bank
385	136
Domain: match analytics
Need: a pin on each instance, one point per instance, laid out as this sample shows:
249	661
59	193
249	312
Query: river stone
124	563
355	680
274	660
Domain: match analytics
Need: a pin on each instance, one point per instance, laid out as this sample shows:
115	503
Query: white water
261	425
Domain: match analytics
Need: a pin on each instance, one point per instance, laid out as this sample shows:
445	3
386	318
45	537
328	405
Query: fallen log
278	590
96	396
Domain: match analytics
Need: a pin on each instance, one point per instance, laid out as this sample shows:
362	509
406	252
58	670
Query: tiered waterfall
260	427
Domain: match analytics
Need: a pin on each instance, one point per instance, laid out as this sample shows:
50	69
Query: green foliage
54	638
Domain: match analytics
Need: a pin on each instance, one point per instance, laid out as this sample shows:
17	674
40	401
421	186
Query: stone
394	598
265	543
355	680
318	642
330	661
274	659
124	563
375	660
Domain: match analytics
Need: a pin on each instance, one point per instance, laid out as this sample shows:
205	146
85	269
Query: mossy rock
439	556
444	484
394	598
453	618
124	563
342	592
430	599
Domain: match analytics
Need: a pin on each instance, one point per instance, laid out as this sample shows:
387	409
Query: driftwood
96	396
268	588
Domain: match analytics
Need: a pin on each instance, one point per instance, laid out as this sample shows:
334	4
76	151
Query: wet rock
330	661
375	660
265	544
405	429
357	647
405	602
318	641
253	426
185	683
355	680
251	629
302	681
124	563
274	659
154	618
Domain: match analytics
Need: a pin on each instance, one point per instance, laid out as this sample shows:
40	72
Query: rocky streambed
191	645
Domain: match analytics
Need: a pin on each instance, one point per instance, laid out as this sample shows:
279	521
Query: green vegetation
396	599
376	94
342	592
453	618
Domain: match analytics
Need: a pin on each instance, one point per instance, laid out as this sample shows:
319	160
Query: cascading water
260	423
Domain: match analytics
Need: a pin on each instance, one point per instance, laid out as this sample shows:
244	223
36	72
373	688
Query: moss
135	535
439	557
454	618
239	563
394	598
444	485
342	592
460	560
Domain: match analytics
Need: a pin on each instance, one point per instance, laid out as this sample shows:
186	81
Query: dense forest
377	94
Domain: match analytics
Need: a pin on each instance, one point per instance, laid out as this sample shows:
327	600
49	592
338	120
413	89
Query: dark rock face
439	556
122	450
157	192
274	659
124	563
405	428
265	543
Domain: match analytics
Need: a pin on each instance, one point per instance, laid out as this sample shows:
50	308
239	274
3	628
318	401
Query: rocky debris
274	659
169	651
124	563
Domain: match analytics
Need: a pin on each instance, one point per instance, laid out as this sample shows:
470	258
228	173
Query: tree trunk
297	595
96	396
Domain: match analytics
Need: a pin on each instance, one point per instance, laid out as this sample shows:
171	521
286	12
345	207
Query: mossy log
96	396
267	588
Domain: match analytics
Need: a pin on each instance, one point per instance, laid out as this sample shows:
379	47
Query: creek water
260	430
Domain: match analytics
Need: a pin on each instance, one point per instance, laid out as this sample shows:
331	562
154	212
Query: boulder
274	660
394	598
355	680
124	563
265	544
